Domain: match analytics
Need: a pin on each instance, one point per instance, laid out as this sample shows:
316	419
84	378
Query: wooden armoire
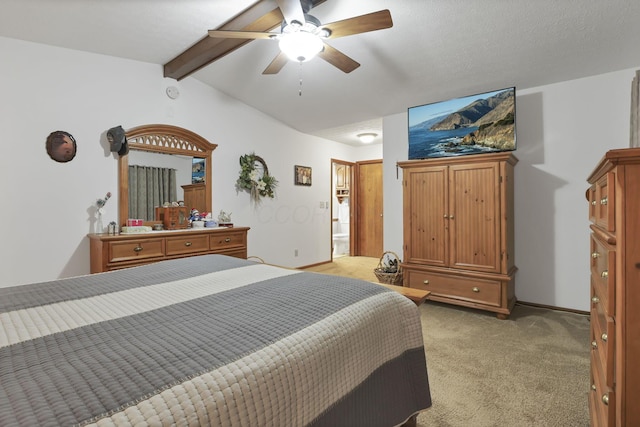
614	212
458	230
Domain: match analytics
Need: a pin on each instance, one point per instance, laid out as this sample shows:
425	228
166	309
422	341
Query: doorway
341	208
356	206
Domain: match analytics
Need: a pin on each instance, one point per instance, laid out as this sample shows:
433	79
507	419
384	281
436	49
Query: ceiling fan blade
276	65
229	34
338	59
291	10
360	24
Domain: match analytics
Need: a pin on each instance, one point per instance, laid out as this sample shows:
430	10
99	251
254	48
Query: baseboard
313	265
551	307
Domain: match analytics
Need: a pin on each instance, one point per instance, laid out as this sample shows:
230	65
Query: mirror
164	139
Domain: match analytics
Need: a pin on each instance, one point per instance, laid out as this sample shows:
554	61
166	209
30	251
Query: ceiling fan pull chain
300	89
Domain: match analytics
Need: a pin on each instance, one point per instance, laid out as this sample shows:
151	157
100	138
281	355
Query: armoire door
426	216
474	222
368	216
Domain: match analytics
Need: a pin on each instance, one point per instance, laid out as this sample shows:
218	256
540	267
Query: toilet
341	231
340	244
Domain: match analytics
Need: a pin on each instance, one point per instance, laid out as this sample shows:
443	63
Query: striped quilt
209	341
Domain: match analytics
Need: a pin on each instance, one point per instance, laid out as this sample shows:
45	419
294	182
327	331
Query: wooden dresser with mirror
112	252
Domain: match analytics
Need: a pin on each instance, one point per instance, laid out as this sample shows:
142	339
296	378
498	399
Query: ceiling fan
302	36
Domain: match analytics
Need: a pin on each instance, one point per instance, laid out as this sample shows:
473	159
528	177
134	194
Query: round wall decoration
254	177
61	146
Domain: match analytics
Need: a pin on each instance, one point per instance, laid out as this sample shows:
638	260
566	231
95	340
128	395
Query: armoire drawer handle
595	300
426	282
604	337
187	244
475	289
605	399
595	255
604	201
604	274
594	344
593	202
593	387
137	248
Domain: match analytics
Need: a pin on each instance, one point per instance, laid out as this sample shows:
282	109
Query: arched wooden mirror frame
165	139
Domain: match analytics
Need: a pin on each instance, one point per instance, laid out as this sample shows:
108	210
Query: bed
210	340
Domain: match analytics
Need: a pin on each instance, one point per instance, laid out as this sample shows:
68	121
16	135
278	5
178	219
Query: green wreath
258	183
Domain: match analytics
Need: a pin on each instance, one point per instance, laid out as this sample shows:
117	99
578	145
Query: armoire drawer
128	250
187	244
476	290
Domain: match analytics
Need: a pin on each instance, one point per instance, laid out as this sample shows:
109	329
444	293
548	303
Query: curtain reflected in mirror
150	187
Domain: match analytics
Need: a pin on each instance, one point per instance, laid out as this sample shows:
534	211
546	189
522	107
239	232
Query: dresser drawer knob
595	300
604	201
187	244
426	282
604	274
227	240
137	248
475	289
594	344
595	255
593	202
593	387
605	399
604	337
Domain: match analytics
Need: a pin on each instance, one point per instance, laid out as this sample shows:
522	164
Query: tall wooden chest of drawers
614	212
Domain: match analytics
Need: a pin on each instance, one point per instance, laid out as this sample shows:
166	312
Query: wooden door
368	215
474	223
426	220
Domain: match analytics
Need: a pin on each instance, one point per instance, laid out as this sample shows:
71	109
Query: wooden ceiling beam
264	15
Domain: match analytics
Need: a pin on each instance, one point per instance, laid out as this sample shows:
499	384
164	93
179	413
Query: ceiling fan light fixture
300	46
367	137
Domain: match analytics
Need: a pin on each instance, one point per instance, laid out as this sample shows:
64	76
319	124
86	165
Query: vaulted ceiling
436	49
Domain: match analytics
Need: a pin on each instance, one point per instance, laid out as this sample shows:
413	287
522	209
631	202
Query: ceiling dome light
367	137
300	46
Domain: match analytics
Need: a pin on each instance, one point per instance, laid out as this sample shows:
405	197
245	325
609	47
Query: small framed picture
302	175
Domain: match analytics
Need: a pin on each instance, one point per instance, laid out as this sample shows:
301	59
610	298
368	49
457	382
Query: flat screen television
475	124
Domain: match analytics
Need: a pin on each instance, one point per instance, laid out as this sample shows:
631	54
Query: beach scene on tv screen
482	123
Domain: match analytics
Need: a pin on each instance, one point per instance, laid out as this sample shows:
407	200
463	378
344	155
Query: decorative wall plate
61	146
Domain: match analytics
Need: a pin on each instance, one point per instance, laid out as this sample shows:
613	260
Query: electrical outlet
295	252
321	205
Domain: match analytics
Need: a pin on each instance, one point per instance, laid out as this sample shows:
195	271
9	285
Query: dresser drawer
129	250
227	239
187	245
605	202
602	399
603	343
603	271
480	291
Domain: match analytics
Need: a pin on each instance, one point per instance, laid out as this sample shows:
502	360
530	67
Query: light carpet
529	370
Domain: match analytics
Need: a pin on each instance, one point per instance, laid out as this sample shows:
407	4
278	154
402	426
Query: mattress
209	340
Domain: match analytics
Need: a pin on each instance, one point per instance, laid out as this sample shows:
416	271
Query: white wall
562	132
49	207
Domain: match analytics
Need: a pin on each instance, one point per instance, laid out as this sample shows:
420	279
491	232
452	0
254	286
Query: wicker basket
385	272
